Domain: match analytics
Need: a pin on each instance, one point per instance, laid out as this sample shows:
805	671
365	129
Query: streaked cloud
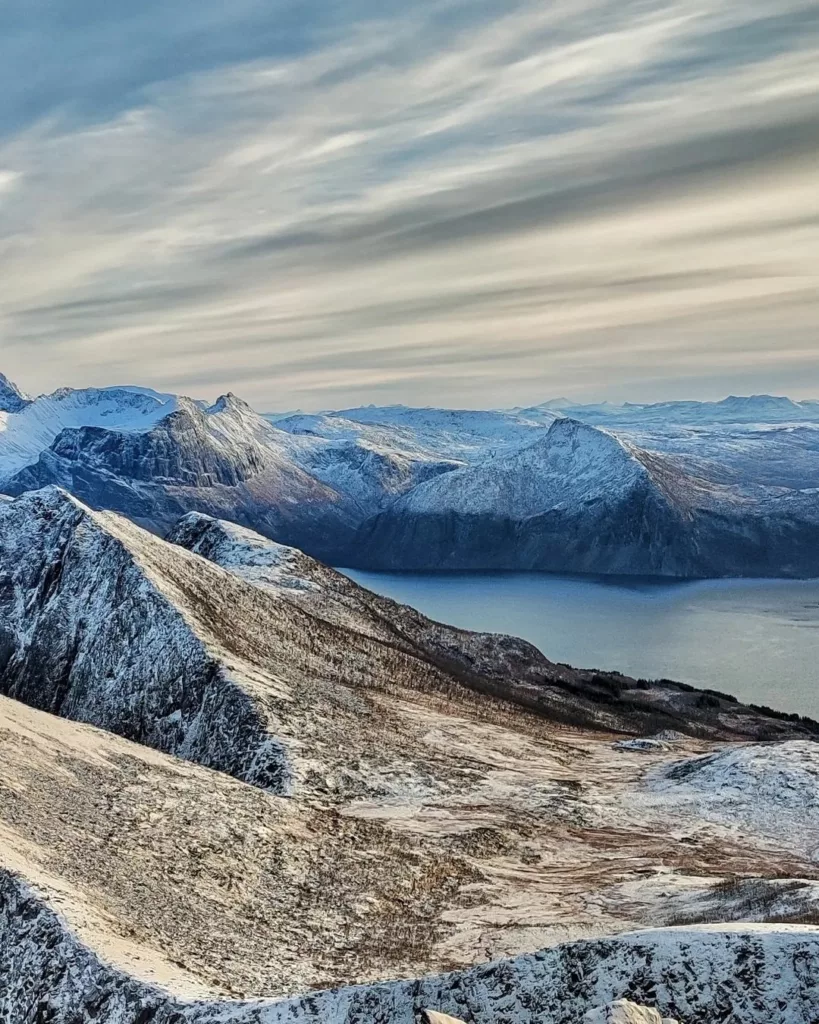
485	203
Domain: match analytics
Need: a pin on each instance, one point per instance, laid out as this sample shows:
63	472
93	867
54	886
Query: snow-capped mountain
12	398
732	411
223	459
677	488
582	499
34	424
154	457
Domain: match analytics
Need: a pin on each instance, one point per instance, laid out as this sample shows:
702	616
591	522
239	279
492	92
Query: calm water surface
757	639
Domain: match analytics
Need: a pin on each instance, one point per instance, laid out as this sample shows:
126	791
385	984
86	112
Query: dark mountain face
12	398
582	501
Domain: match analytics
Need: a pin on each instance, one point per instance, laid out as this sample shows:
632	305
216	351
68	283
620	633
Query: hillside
105	623
132	883
495	666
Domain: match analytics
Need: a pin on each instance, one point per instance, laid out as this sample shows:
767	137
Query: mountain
674	489
302	786
99	624
734	410
263	666
370	464
223	459
12	398
154	457
582	499
35	424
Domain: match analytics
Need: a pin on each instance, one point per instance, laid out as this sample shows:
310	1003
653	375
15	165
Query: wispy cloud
467	202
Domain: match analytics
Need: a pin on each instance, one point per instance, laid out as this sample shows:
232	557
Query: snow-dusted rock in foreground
623	1011
699	976
747	976
773	786
96	625
186	878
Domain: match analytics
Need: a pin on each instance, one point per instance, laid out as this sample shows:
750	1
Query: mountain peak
228	402
12	398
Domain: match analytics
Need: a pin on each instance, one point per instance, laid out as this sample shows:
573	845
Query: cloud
477	202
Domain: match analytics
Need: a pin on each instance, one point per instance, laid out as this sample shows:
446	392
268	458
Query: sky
321	203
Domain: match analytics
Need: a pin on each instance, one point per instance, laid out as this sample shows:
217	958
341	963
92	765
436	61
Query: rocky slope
12	398
747	976
262	668
95	625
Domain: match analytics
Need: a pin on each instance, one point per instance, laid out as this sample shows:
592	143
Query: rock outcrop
623	1011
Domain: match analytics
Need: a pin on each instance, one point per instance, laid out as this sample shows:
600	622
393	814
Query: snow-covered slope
99	624
468	435
570	465
772	788
583	499
27	428
370	467
745	975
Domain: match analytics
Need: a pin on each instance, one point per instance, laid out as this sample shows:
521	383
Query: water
757	639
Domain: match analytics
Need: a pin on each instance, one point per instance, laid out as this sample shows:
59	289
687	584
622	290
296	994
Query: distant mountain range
684	489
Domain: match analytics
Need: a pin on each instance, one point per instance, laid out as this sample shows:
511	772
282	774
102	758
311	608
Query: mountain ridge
671	489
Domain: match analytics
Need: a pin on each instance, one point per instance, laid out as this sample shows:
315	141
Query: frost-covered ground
189	880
